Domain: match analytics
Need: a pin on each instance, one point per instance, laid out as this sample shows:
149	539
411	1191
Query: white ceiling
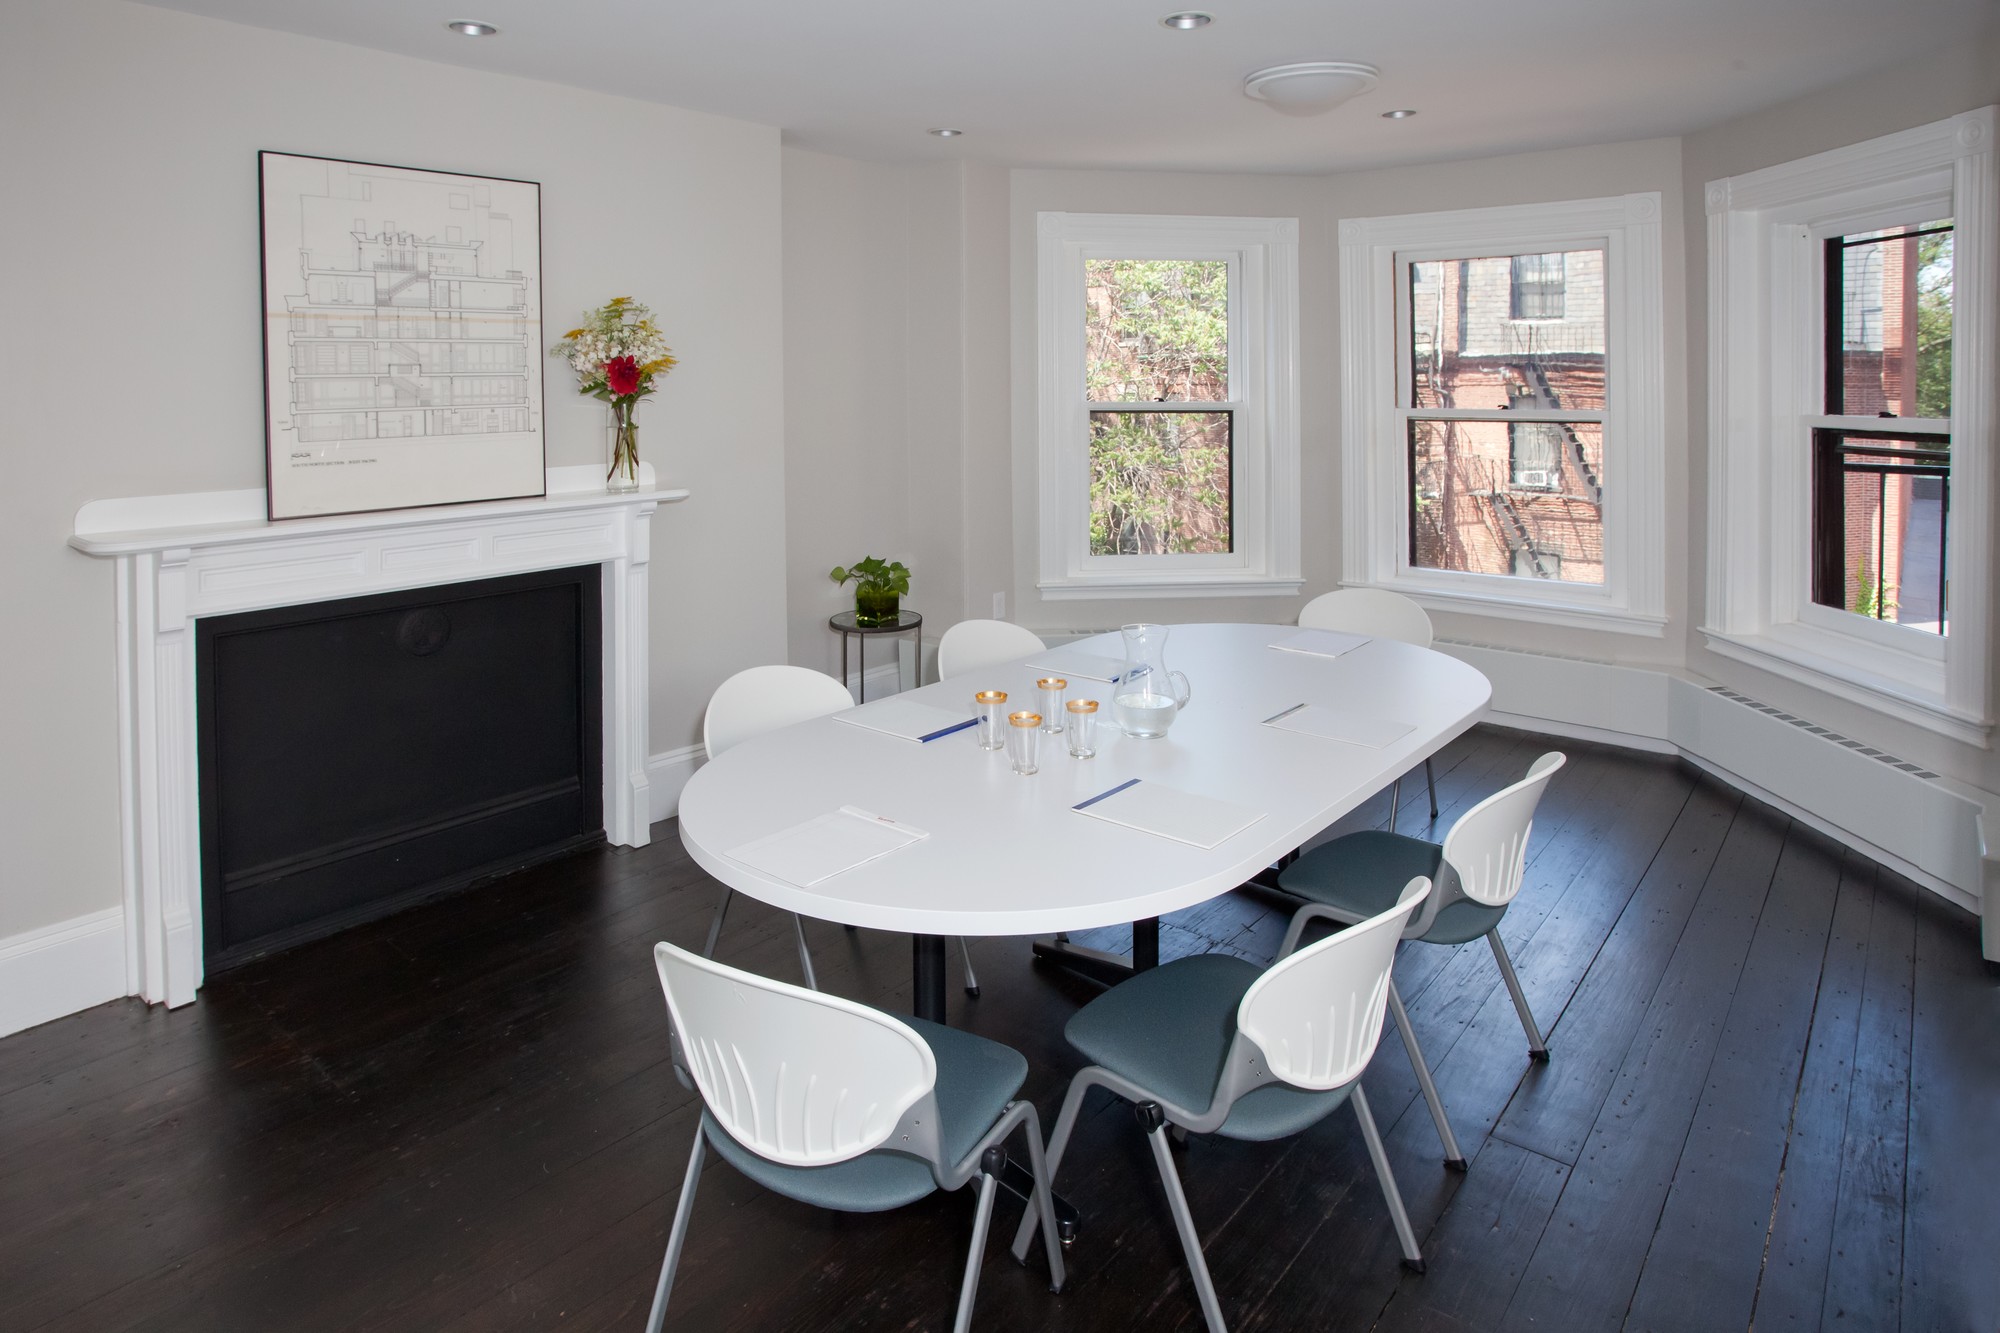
1101	83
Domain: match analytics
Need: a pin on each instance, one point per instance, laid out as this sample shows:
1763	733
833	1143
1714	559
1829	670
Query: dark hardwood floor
1773	1102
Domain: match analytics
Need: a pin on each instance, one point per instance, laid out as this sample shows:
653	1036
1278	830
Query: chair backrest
1487	848
800	1077
1317	1014
765	698
1372	611
973	644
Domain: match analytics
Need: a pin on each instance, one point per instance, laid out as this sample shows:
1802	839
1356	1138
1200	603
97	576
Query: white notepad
1341	724
1085	666
819	849
1321	642
906	718
1150	807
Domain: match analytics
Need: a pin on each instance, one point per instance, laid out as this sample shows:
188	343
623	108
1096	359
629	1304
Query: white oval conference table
1008	855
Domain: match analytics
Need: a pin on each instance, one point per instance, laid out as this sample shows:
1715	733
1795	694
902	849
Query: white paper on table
906	718
1150	807
1087	666
819	849
1321	642
1341	724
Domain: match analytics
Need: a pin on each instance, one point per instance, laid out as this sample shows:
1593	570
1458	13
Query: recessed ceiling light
947	133
1188	20
1404	114
470	28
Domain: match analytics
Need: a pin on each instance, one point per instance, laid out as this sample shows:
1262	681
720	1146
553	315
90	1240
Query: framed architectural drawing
402	336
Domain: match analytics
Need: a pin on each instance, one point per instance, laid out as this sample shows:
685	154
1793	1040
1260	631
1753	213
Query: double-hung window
1852	319
1503	410
1168	449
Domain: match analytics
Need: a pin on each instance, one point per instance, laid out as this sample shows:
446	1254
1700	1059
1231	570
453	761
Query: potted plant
878	589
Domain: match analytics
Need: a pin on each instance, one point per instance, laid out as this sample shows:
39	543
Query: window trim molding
1764	341
1264	376
1375	539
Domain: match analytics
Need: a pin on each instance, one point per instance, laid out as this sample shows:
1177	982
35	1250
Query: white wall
130	345
879	387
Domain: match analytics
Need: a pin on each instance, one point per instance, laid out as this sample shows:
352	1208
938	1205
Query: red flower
621	375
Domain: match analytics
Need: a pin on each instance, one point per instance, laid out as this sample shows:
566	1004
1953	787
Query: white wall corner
1989	917
667	772
60	969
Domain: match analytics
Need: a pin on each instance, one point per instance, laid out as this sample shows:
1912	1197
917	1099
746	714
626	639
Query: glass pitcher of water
1147	695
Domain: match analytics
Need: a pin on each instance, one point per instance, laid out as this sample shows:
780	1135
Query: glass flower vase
622	447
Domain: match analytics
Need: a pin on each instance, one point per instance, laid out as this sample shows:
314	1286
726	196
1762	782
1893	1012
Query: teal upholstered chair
838	1105
1477	870
1216	1045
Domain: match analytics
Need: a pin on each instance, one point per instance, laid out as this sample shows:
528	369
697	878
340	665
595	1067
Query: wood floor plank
1554	1114
1588	1264
1791	1285
1954	1152
1864	1284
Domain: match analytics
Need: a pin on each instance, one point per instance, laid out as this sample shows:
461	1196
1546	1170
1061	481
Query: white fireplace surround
181	557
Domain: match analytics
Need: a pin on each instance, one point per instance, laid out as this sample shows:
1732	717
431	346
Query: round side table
842	623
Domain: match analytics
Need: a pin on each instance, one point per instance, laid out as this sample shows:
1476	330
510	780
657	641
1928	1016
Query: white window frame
1262	254
1766	376
1375	447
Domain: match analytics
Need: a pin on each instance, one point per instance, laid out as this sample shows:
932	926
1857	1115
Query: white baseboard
668	772
60	969
1912	821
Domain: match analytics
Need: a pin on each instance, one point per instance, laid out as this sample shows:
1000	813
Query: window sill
1109	588
1570	615
1906	700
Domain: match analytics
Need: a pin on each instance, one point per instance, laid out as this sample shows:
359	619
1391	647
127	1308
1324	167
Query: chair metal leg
1079	1088
969	1288
1431	780
1043	1204
1395	802
1413	1258
805	954
971	977
715	926
678	1234
1453	1158
1163	1158
1538	1050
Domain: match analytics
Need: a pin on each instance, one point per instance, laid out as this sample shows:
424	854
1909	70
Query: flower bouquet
616	354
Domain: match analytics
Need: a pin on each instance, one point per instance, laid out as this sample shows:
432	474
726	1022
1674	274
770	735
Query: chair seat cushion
1168	1029
1362	874
976	1078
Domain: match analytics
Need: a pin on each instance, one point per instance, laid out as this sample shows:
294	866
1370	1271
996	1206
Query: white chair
1477	872
1383	615
838	1105
761	699
1210	1043
750	703
973	644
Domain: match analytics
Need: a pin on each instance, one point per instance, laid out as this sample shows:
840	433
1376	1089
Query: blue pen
1129	782
946	731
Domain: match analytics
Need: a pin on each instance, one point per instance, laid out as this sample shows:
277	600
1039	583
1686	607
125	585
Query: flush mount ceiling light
1188	20
1312	87
947	133
1404	114
470	28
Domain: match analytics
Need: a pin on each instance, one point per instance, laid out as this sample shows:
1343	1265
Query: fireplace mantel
181	557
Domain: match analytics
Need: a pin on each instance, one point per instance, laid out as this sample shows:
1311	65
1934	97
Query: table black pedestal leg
1106	969
927	970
